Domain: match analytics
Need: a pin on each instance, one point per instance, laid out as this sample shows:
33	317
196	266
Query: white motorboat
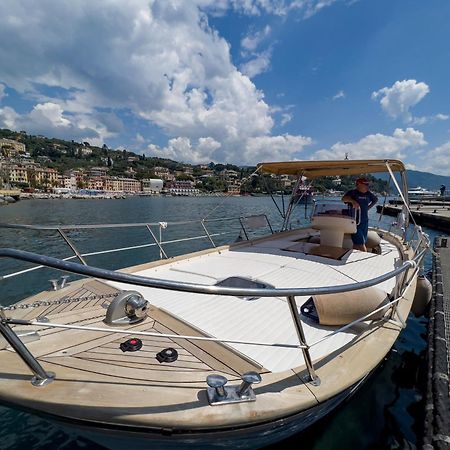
421	193
303	193
238	346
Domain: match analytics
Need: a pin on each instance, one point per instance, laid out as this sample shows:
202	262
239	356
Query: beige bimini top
314	169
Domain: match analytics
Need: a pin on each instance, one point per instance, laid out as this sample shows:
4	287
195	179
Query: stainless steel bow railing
41	377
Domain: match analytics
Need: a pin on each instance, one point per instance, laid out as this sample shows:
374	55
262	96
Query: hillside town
33	176
41	167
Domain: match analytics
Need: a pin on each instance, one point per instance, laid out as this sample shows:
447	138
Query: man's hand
352	201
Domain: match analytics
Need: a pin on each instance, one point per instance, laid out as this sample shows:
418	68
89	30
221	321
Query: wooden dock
432	216
437	405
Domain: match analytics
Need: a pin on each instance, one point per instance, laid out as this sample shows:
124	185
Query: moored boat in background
419	192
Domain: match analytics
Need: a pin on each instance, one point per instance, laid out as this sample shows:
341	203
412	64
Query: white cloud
259	64
251	42
306	8
312	7
49	119
398	99
8	118
274	148
285	118
181	149
252	151
340	94
139	139
428	119
158	60
255	7
437	160
50	112
376	146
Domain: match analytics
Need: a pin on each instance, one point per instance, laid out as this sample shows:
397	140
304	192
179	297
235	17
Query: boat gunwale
186	431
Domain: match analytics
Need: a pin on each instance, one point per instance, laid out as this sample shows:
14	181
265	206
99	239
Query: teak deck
99	352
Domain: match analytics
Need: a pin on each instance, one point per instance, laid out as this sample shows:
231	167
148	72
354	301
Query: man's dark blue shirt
364	199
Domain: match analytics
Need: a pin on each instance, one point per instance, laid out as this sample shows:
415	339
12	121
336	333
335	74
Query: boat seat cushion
343	308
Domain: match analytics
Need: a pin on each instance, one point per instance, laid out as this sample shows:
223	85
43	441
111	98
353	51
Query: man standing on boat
362	200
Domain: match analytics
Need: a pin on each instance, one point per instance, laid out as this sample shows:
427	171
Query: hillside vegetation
65	155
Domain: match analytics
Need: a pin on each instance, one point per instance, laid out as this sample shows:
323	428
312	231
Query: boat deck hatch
328	251
246	283
313	249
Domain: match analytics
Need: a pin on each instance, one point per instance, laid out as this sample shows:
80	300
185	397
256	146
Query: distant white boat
7	199
420	192
303	193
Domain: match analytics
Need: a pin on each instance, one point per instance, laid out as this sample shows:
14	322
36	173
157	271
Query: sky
233	81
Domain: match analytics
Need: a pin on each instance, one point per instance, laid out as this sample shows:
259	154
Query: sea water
386	413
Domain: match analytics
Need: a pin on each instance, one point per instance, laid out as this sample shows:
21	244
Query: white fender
373	239
422	296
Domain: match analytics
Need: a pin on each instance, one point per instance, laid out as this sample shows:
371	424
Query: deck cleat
219	394
54	283
245	389
216	390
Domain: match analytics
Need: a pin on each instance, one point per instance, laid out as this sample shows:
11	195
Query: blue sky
237	81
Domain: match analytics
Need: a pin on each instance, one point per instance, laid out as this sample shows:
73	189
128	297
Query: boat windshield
334	210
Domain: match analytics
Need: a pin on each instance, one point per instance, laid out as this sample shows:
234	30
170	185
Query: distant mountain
424	179
427	180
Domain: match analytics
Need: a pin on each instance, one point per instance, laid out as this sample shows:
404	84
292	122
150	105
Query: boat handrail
128	278
110	225
114	250
63	229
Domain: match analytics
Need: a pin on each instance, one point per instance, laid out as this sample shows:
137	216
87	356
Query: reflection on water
386	413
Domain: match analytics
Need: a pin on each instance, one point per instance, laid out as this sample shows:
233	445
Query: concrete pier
437	405
14	193
437	201
11	192
432	216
